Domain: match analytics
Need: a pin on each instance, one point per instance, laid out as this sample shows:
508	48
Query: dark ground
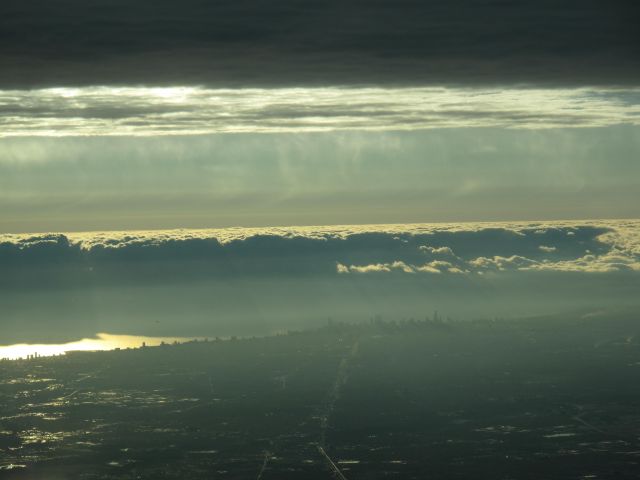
546	398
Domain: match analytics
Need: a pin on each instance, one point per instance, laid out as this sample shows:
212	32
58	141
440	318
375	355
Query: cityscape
523	399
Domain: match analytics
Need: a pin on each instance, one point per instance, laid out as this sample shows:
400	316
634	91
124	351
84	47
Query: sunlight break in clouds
143	111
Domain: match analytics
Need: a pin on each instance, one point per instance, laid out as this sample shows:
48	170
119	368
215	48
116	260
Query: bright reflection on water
103	341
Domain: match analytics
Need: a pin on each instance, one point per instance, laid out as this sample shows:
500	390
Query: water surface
102	341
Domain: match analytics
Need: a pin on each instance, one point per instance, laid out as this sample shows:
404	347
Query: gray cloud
291	42
622	253
462	248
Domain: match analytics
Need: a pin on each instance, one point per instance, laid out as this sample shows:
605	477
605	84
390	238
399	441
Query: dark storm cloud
293	42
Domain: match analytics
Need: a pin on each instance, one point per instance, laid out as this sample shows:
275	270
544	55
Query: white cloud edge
140	111
623	239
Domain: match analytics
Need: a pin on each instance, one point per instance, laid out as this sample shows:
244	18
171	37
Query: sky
160	115
156	118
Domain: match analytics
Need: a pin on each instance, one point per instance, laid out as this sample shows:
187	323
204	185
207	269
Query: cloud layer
291	42
409	249
57	287
196	110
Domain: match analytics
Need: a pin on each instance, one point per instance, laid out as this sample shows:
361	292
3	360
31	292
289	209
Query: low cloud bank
463	249
61	287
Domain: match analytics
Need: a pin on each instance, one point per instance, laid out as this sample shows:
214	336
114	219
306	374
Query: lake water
102	341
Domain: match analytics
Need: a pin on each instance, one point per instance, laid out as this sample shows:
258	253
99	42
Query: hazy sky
157	115
120	115
249	179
